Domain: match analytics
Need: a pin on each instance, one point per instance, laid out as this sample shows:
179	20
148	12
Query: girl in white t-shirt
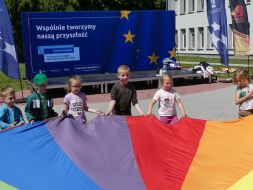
75	102
244	92
167	98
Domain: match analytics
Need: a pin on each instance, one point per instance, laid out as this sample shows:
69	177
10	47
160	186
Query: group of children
39	104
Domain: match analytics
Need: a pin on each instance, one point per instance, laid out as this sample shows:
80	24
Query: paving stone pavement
215	104
212	105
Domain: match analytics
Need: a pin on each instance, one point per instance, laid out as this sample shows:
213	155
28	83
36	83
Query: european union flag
217	20
8	58
143	39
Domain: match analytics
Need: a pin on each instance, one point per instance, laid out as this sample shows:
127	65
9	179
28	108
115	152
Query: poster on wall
67	43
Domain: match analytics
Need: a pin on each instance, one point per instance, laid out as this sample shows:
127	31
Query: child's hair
70	80
123	67
241	74
166	76
6	91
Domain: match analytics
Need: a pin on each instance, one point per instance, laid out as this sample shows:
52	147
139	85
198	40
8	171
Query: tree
16	7
121	5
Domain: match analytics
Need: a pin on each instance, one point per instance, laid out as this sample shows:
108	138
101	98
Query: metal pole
228	71
248	63
16	16
178	56
21	86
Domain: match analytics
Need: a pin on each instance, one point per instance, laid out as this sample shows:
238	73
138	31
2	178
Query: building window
209	40
200	5
182	7
170	5
175	7
176	39
191	38
200	38
191	6
182	39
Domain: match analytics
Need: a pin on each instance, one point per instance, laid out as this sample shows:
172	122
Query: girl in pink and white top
244	92
167	98
75	102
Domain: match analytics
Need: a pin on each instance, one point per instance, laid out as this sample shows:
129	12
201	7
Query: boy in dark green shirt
123	94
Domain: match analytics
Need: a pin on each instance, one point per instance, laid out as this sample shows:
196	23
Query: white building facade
192	33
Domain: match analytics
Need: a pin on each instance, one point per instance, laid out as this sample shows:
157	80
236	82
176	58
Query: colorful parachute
128	153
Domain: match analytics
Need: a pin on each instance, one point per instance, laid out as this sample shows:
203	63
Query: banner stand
21	86
248	63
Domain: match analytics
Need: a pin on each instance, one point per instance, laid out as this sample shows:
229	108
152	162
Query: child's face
124	76
242	82
9	99
42	88
76	86
167	84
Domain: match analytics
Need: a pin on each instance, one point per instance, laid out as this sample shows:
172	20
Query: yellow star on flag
124	14
129	37
153	58
172	53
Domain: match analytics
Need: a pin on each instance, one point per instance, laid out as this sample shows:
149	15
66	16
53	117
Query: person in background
167	98
244	92
39	105
10	114
75	102
123	94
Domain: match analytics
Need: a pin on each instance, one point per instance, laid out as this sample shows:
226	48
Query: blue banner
8	57
217	20
66	43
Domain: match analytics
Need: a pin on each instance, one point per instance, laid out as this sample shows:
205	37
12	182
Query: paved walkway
203	101
209	105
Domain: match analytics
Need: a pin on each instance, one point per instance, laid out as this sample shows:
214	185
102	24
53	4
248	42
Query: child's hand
108	113
13	124
63	114
142	114
184	115
250	95
20	123
99	112
32	121
149	112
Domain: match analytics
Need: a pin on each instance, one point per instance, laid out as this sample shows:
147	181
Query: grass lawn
12	82
215	59
220	67
16	83
4	186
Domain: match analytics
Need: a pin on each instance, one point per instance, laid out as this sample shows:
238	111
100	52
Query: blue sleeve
21	118
20	115
3	125
28	111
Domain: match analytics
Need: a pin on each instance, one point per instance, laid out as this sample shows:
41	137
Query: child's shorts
169	119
